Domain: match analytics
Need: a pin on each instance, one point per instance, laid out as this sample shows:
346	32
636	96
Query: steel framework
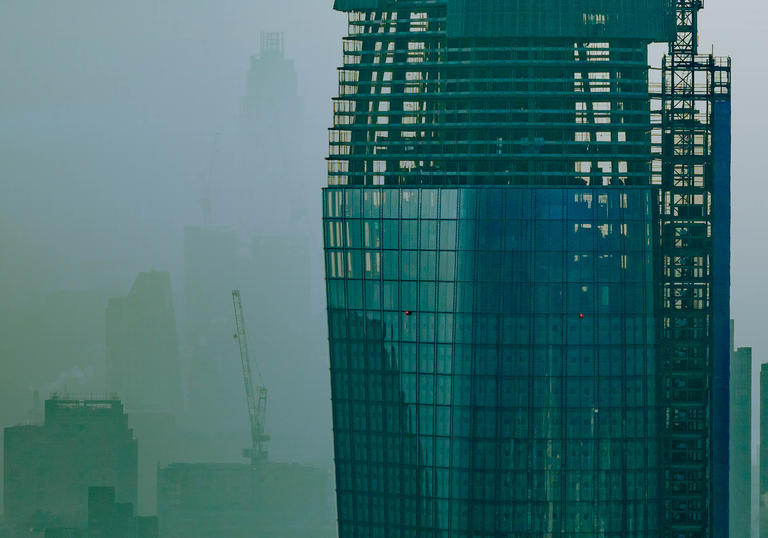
691	387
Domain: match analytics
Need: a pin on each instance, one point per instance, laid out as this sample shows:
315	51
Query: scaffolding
694	118
417	106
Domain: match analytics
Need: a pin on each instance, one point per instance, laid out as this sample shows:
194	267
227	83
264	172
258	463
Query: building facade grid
492	361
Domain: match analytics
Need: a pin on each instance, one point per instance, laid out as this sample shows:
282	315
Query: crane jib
257	405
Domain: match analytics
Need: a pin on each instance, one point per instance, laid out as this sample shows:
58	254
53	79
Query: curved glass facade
493	360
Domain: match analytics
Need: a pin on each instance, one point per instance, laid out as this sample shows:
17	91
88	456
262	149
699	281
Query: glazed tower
520	234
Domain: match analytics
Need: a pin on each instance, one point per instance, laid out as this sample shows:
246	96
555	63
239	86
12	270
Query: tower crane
257	399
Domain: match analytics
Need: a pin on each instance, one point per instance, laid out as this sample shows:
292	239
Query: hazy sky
107	112
108	109
107	115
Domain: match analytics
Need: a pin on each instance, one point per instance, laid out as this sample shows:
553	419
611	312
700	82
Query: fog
109	114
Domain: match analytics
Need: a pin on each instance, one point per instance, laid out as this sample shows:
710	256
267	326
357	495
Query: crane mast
257	399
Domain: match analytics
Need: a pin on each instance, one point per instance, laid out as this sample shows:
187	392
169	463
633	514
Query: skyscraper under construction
527	262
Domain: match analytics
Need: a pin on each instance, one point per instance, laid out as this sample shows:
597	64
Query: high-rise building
741	440
271	129
528	321
143	366
272	103
49	468
143	347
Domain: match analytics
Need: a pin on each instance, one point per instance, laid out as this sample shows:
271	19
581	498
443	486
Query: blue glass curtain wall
492	360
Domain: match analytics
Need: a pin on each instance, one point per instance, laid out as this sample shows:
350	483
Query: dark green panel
643	19
357	5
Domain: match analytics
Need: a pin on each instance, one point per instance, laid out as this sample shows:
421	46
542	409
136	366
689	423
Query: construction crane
257	404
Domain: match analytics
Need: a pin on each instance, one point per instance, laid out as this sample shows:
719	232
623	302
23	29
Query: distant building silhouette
272	126
273	273
49	468
281	267
283	500
159	437
740	440
271	84
214	264
142	346
143	367
109	519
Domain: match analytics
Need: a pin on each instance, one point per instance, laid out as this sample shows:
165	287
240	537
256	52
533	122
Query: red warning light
581	316
408	312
